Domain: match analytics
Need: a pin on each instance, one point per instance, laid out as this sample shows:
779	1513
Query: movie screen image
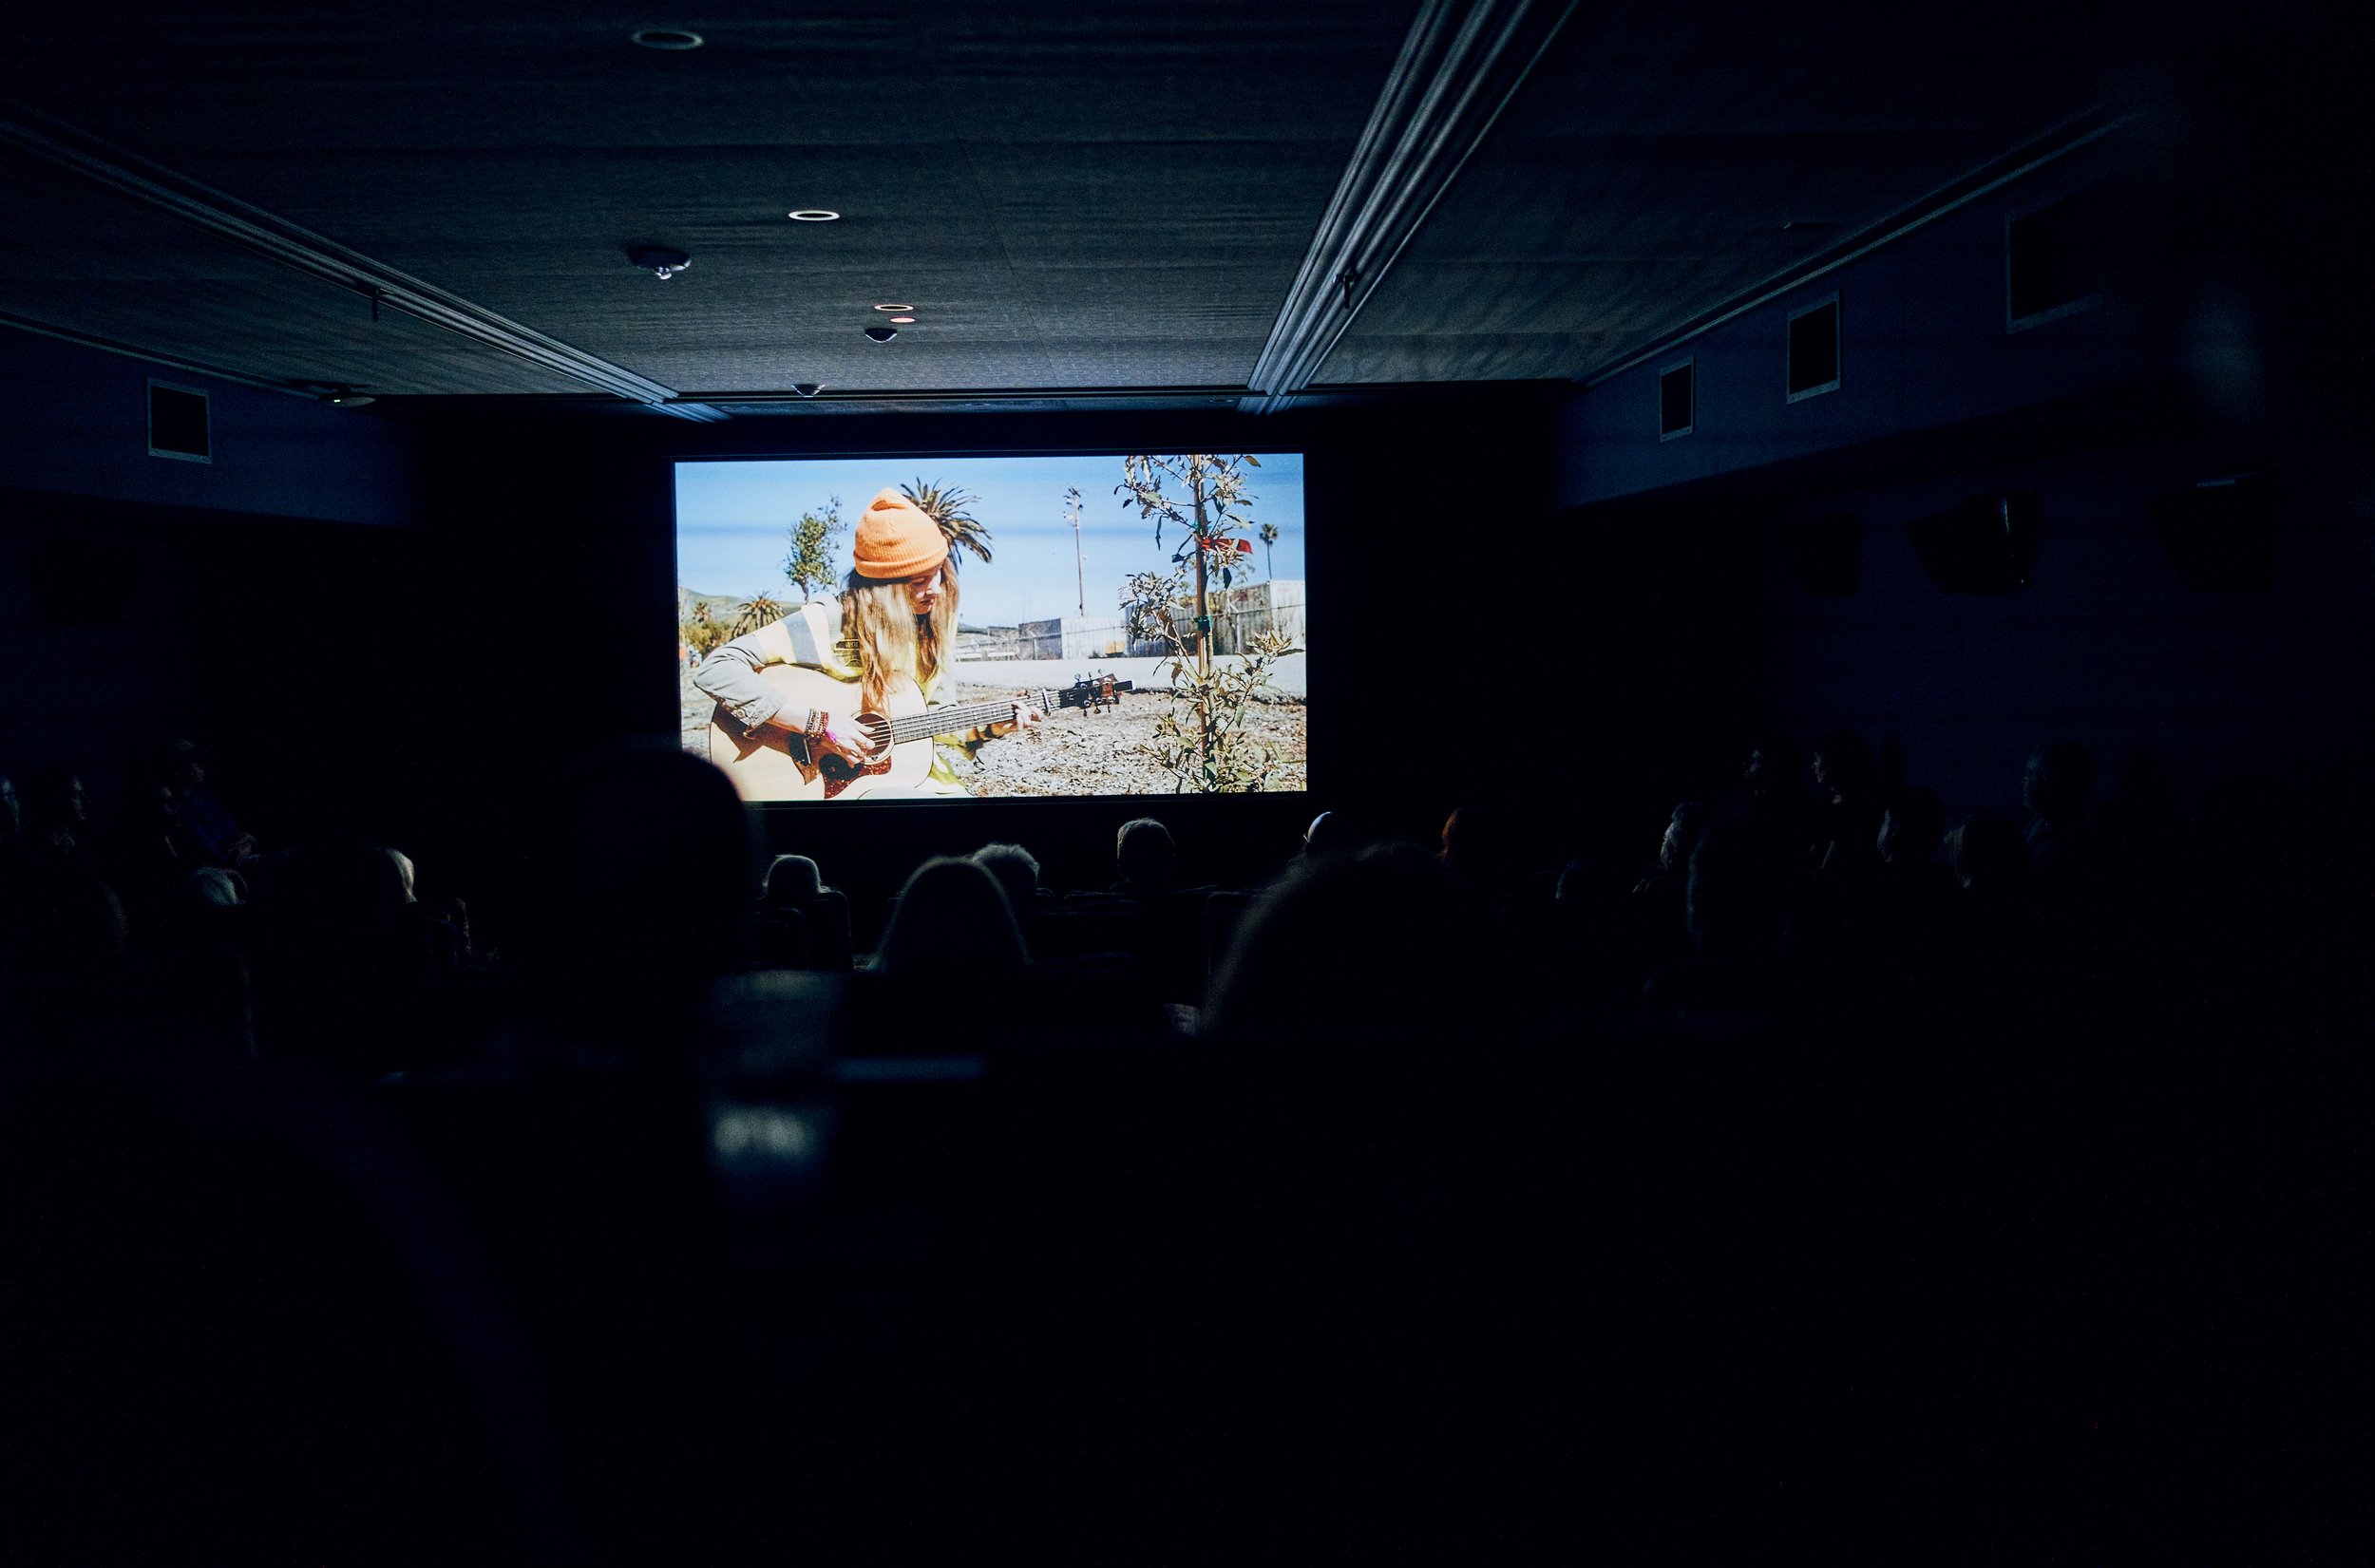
880	628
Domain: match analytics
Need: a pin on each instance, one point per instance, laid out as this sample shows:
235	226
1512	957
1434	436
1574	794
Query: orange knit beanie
897	540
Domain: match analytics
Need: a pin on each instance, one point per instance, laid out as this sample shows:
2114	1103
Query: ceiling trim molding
2079	130
998	394
29	131
153	356
1459	67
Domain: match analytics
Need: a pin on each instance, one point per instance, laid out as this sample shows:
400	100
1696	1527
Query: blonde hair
892	639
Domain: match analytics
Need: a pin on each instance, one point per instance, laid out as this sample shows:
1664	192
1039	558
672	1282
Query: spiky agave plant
945	505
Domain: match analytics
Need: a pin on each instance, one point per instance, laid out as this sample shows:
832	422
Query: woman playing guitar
893	639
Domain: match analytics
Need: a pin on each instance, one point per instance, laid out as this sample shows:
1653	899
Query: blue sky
731	519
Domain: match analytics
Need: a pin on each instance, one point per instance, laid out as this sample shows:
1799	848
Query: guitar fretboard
947	721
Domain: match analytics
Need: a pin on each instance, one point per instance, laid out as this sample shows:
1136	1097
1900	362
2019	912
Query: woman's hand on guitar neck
1026	717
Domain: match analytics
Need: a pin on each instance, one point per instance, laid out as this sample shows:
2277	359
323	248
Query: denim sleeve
731	674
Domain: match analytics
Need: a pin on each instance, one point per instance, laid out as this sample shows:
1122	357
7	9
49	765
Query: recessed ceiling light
666	38
904	320
813	214
894	308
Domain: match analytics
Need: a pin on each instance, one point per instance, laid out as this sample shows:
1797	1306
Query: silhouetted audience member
334	980
1684	829
1778	805
63	946
1489	850
190	944
1992	947
1913	829
791	879
143	852
1737	909
204	824
795	886
1989	857
57	822
1349	951
1847	790
952	920
2057	787
1660	932
1466	846
1017	873
639	904
11	815
1332	833
1914	891
1145	855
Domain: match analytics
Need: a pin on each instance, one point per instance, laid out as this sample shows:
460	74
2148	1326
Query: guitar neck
943	721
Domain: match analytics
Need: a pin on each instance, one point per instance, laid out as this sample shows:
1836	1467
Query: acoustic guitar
767	763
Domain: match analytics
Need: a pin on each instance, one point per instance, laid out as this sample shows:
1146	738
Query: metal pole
1204	620
1081	574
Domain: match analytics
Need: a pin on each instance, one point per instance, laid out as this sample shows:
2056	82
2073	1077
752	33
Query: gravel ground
1075	752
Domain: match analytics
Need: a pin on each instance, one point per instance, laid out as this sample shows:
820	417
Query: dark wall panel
1924	343
78	427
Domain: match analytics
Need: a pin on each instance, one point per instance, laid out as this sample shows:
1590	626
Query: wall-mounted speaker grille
2053	259
1813	362
1986	545
1678	397
177	424
2222	534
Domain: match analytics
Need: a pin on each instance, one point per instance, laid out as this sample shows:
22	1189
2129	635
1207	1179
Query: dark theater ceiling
1079	200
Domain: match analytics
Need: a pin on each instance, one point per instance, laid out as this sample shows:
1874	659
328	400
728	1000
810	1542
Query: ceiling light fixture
813	214
659	261
882	334
903	320
892	307
666	38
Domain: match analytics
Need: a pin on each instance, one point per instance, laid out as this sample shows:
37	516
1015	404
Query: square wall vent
2053	259
177	423
1678	397
1813	364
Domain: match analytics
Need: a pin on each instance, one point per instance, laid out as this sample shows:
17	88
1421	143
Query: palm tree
1270	537
946	505
761	609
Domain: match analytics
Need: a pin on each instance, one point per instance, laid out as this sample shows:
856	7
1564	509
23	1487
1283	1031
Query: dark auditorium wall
2197	366
259	601
1925	344
78	427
